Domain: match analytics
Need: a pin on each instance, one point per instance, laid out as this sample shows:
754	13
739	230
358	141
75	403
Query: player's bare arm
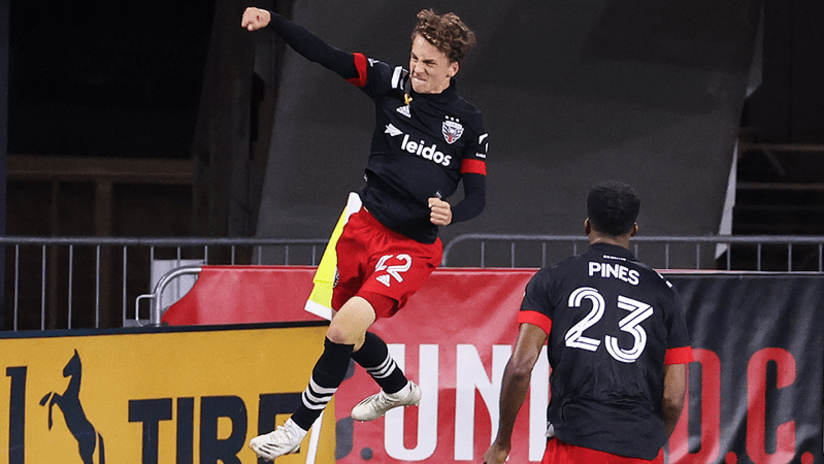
255	18
441	212
514	387
675	387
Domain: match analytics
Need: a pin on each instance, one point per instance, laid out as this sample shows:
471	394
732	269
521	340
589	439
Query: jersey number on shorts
394	270
638	313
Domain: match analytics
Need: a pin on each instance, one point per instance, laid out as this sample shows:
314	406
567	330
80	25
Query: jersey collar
447	95
614	250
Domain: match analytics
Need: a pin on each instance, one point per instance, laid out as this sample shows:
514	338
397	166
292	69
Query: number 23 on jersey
638	313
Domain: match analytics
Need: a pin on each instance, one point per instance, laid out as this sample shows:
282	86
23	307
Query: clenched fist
440	212
255	18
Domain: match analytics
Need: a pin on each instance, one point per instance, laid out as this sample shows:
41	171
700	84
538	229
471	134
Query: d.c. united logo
451	129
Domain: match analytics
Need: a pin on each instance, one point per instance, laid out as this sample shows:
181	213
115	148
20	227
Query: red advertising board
755	389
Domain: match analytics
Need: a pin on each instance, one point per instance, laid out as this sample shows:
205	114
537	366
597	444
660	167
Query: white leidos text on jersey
613	271
431	152
419	148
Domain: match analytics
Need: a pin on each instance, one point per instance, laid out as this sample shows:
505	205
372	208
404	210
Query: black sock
327	376
375	358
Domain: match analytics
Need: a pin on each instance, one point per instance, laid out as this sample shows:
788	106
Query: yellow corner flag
320	300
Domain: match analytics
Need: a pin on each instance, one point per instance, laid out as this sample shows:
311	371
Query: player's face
429	68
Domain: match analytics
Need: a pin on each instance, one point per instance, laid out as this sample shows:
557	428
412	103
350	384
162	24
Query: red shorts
375	260
558	452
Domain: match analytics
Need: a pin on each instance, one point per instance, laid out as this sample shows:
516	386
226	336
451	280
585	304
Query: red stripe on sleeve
682	355
360	65
535	318
473	166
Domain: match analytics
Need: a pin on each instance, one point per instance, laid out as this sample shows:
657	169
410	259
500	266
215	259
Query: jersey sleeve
474	161
473	173
474	200
535	318
315	49
681	355
376	78
361	64
536	307
679	350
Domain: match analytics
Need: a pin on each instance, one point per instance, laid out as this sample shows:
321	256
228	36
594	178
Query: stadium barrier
156	395
740	253
92	282
755	389
79	282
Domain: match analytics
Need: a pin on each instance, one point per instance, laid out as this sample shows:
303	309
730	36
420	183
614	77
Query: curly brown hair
446	32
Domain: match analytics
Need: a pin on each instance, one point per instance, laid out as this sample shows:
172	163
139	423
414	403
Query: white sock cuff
404	391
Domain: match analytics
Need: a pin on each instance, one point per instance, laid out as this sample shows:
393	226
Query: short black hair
612	208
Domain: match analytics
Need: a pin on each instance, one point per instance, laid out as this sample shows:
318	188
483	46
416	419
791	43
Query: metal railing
741	253
91	282
157	308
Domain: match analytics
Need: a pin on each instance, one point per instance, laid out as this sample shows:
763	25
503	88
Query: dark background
120	79
115	80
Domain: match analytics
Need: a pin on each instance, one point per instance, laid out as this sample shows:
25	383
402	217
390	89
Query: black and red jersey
421	146
613	324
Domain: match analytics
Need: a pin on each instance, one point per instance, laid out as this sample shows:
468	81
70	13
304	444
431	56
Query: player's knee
349	325
346	335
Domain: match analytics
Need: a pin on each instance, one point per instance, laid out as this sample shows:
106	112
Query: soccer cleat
376	405
283	440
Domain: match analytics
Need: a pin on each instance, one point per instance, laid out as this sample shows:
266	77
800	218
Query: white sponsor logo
431	152
404	110
392	130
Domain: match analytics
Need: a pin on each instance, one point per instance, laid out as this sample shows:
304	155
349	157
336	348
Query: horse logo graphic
84	432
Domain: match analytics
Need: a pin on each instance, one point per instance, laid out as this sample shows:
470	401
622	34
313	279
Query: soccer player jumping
426	141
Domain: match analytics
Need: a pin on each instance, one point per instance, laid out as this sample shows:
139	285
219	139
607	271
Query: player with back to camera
426	141
617	343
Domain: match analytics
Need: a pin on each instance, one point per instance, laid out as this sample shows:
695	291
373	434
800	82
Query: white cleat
376	405
281	441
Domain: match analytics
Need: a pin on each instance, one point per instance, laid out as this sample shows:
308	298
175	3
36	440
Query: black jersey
613	324
421	146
